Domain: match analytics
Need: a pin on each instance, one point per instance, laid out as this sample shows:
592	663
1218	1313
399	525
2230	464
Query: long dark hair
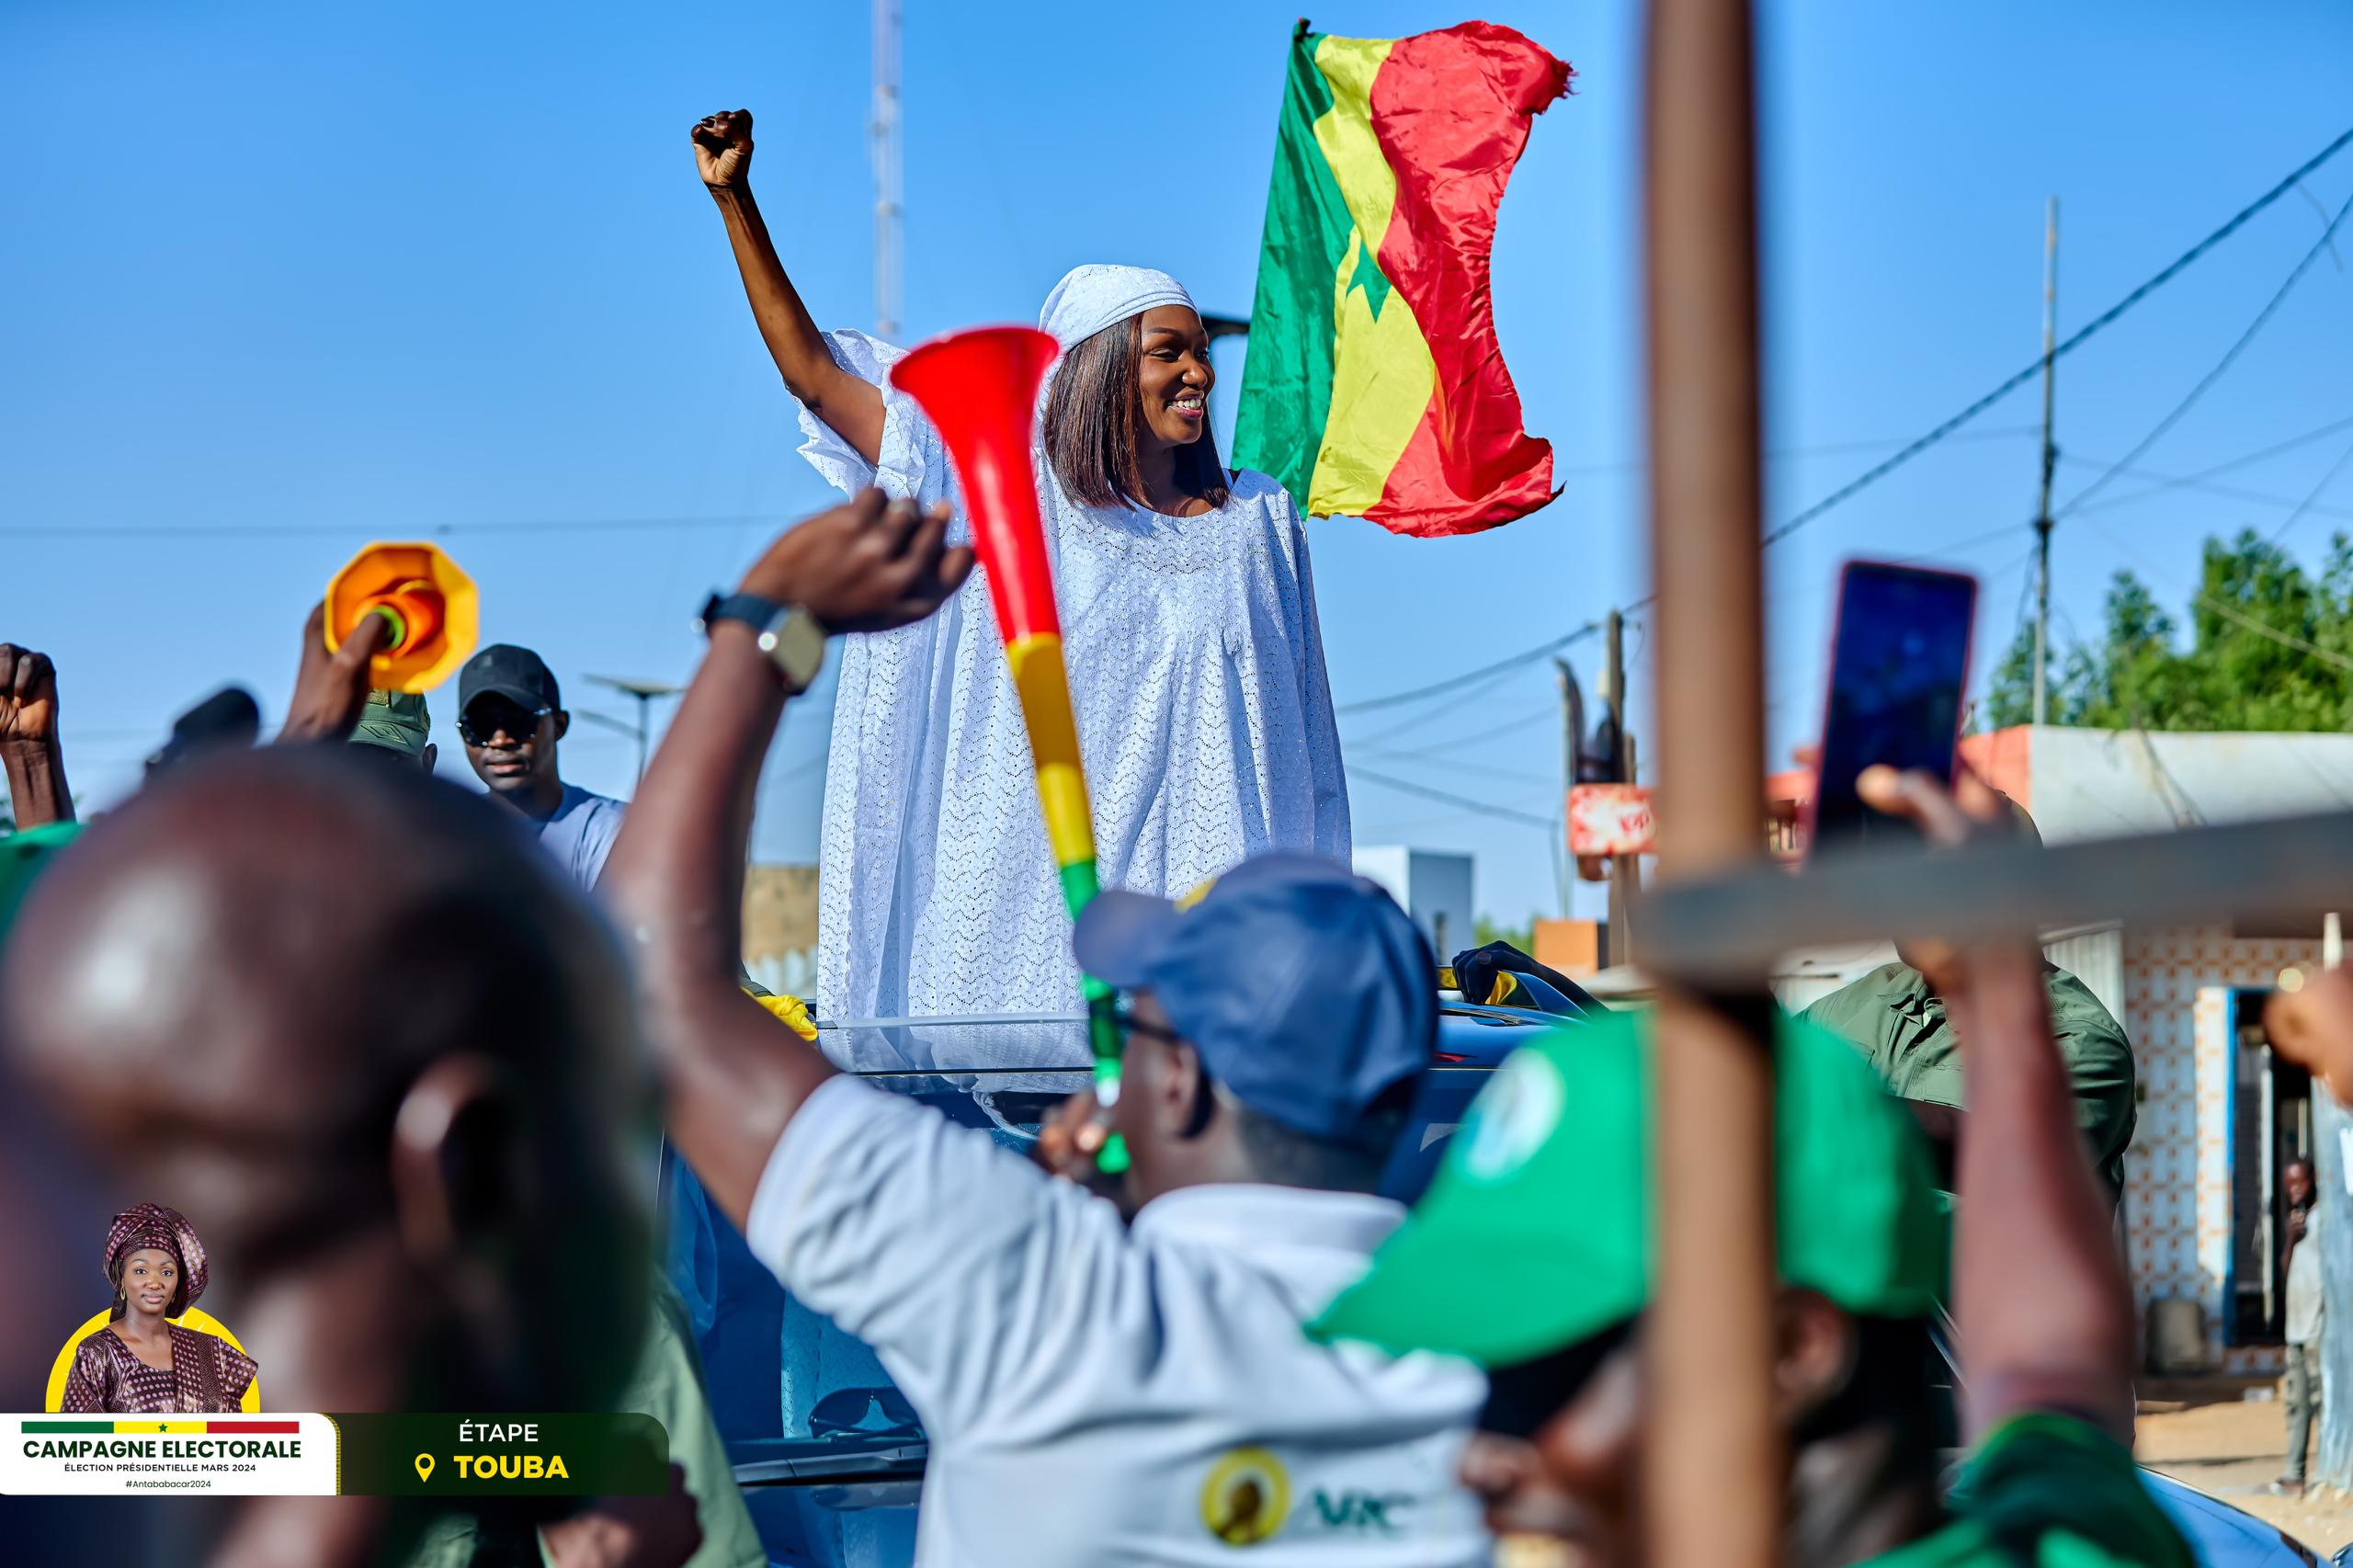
1093	419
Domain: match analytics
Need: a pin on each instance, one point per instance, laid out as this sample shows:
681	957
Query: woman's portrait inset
143	1363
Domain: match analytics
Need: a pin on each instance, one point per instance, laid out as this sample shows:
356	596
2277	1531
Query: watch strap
792	639
755	610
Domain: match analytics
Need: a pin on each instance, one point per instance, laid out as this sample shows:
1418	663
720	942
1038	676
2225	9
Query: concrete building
2219	1115
1433	886
780	927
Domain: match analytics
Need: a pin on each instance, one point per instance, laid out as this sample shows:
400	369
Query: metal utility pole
2049	454
1572	748
645	691
1625	870
1713	1472
884	129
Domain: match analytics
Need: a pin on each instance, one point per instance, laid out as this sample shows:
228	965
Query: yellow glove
791	1011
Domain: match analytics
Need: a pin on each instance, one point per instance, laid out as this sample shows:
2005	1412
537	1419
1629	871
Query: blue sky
282	278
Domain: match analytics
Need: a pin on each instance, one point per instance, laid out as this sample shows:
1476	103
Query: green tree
2009	698
1485	929
2255	624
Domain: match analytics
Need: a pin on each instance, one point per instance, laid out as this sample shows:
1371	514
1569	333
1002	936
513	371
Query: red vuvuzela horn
980	389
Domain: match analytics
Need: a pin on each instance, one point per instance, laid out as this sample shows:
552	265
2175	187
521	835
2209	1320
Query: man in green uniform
1531	1254
1895	1018
397	722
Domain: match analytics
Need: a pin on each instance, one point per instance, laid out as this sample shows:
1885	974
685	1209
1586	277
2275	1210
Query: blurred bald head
334	1011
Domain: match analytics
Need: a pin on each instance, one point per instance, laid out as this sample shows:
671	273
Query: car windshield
786	1386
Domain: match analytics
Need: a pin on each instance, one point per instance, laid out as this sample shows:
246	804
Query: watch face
797	644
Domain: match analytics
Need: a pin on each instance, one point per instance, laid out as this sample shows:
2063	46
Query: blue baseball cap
1306	990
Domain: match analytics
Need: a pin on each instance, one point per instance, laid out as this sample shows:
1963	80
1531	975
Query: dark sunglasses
476	726
1123	1015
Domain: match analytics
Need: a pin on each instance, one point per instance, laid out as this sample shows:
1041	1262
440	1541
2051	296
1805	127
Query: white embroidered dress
1204	720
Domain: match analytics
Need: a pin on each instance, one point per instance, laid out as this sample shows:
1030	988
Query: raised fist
27	695
724	148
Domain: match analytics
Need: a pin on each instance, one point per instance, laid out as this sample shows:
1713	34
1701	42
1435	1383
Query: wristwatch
793	640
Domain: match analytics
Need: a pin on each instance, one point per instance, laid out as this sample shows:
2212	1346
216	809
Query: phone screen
1896	671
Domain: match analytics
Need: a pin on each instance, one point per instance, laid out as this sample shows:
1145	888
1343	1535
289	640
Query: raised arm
851	406
29	749
2044	1309
676	877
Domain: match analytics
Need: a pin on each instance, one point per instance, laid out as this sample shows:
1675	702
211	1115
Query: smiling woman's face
150	1279
1174	375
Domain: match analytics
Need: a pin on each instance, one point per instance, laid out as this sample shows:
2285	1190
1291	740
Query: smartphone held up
1898	663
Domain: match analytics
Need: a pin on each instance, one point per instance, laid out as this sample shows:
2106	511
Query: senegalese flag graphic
1375	386
117	1426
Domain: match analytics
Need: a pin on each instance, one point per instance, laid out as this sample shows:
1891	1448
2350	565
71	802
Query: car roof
1056	1042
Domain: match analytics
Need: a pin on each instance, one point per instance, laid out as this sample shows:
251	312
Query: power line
1590	627
1462	803
1824	450
339	530
2228	492
1453	683
1880	471
2189	399
1517	725
2312	495
1515	775
747	519
2164	482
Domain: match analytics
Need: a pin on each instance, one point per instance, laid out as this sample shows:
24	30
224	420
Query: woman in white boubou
1189	625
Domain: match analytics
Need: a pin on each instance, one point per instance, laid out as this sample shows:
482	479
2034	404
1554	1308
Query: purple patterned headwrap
165	1230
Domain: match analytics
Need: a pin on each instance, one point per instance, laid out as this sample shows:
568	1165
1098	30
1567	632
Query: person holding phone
1531	1254
1898	664
1900	1022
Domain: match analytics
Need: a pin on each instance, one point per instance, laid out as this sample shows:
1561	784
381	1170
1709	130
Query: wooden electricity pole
1714	1475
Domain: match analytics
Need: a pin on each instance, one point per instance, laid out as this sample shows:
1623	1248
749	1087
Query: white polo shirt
1097	1392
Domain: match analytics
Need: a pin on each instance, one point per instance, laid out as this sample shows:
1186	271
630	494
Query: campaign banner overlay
504	1455
320	1456
273	1455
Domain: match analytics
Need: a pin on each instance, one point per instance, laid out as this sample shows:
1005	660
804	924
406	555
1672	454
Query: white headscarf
1092	297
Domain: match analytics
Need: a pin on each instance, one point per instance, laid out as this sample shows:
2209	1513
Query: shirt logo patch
1247	1497
1512	1116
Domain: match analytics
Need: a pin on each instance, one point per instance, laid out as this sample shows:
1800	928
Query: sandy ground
2224	1438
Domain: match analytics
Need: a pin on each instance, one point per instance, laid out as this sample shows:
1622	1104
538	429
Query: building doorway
2270	1122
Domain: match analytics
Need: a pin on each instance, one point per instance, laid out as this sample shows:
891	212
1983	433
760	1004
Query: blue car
829	1454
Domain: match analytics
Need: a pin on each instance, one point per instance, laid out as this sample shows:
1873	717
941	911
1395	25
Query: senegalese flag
1375	386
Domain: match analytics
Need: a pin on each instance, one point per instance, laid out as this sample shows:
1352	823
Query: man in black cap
510	717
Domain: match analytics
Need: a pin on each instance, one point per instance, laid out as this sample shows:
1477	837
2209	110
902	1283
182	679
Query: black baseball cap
516	674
